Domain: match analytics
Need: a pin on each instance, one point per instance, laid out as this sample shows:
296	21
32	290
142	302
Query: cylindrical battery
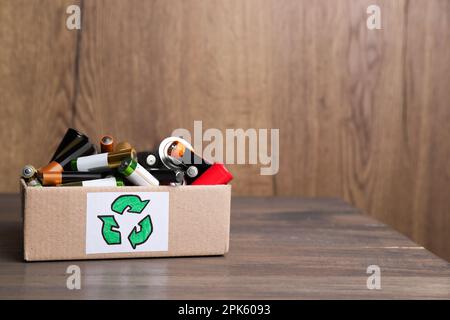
105	182
55	178
167	177
63	160
217	174
137	174
70	139
106	144
102	161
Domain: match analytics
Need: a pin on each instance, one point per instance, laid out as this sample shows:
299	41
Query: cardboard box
71	223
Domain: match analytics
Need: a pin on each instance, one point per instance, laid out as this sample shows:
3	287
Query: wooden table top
280	248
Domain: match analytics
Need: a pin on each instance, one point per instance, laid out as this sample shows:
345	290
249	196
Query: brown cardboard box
59	224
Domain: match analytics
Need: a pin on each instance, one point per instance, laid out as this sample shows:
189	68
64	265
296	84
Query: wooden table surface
288	248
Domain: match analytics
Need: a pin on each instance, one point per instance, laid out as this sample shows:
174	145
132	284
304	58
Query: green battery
137	174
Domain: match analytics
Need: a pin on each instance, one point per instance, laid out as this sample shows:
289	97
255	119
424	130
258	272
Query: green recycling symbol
134	204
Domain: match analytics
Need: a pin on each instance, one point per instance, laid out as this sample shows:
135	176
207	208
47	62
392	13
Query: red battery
216	174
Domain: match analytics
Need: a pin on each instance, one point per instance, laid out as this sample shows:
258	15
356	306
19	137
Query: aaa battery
55	178
105	182
137	174
102	161
107	144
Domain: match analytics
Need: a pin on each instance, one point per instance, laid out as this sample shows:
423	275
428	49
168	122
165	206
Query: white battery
137	174
95	162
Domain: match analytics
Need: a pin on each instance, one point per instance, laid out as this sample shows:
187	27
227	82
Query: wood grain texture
37	69
176	63
281	248
363	115
426	113
363	120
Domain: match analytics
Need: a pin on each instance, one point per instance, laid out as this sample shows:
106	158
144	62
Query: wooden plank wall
363	115
36	83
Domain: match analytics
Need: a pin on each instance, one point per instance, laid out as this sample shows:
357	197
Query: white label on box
127	222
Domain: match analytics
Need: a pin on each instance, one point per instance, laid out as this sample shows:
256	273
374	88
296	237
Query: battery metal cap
28	171
192	171
151	160
179	176
107	140
107	144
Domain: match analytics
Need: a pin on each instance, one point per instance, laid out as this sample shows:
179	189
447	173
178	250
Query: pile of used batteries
76	162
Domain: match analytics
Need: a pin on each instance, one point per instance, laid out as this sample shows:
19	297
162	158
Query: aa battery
63	160
105	182
137	174
55	178
70	139
107	144
102	161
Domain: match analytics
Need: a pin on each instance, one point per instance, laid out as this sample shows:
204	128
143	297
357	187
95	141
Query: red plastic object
216	174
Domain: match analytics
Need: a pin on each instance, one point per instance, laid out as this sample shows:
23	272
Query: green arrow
133	202
111	236
136	238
